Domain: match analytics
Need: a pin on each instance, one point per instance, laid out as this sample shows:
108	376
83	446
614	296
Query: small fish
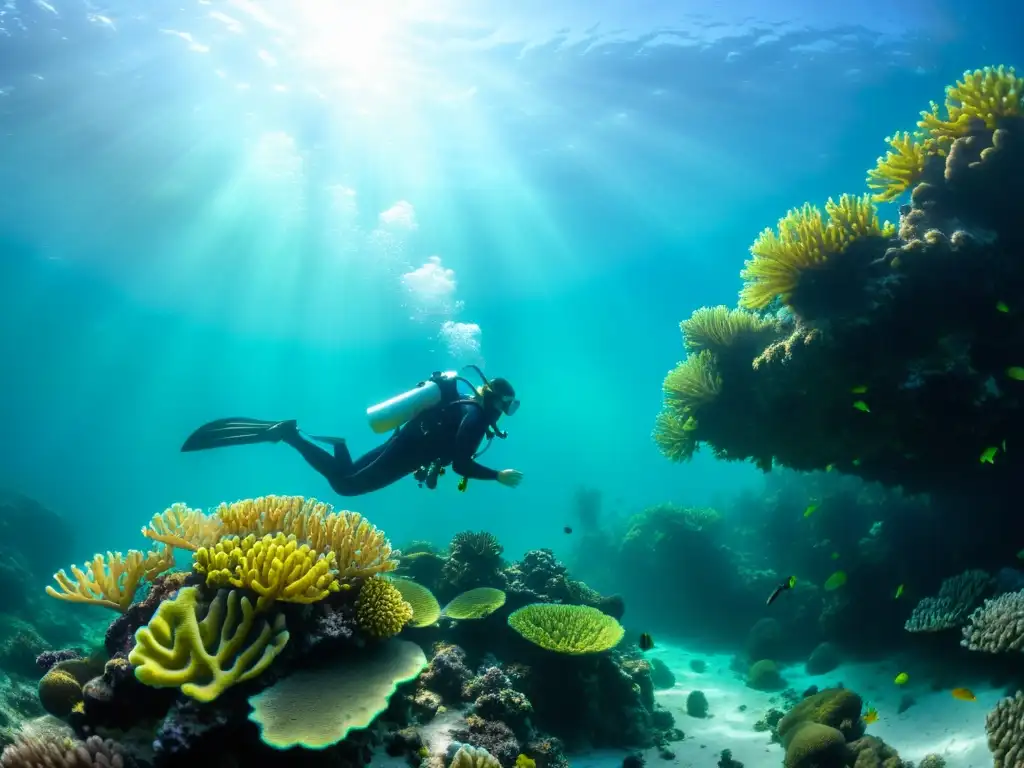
895	263
787	584
964	694
646	642
870	716
1003	444
835	555
811	509
1002	306
860	405
835	581
901	678
856	462
860	390
1015	372
988	456
1020	555
829	467
899	592
567	529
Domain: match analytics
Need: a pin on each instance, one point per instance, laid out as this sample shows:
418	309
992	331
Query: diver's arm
471	432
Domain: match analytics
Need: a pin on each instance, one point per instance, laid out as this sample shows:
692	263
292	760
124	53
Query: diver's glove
510	477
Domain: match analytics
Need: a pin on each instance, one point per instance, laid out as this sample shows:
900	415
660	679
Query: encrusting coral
204	658
112	580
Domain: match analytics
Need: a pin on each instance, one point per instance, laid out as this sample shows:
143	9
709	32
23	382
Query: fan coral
957	597
380	610
204	658
568	629
900	169
692	383
275	567
1005	728
997	626
711	327
985	95
804	241
112	581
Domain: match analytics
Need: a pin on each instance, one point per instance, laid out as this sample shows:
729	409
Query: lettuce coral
568	629
381	610
111	580
275	567
204	658
318	707
476	603
804	240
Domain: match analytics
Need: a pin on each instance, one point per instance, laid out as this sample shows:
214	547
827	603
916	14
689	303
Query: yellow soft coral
988	95
362	550
568	629
674	434
693	382
900	169
380	610
710	327
276	567
205	658
111	581
184	528
805	240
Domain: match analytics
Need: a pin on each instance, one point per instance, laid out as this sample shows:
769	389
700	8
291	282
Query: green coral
836	707
900	169
476	603
675	435
693	382
318	707
713	327
205	658
764	675
814	745
987	95
381	610
425	608
568	629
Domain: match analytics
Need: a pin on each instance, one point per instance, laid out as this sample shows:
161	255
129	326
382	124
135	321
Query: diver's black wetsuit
449	435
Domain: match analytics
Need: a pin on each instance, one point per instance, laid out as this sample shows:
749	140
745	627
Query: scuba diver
434	426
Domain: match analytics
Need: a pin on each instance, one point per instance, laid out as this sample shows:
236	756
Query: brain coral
380	609
813	745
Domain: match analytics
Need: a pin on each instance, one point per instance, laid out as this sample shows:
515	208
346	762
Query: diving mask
509	406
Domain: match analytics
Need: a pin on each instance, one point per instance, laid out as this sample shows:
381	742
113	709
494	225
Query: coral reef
891	362
957	597
997	626
823	659
1005	728
697	704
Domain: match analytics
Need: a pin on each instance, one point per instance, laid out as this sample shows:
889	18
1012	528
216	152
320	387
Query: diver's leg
384	465
340	464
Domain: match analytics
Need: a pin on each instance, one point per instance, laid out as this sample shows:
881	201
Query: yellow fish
964	694
1015	372
829	467
899	592
860	405
901	678
860	390
835	581
811	509
1002	306
988	456
870	716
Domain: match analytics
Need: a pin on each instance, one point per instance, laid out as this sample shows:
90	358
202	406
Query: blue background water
190	226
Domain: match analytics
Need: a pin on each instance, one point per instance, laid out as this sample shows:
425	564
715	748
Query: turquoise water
282	210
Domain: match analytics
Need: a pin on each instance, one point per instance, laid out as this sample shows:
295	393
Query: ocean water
295	209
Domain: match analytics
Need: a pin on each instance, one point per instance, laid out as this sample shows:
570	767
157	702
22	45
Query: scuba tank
393	413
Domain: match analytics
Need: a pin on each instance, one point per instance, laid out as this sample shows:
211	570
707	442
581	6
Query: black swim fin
237	430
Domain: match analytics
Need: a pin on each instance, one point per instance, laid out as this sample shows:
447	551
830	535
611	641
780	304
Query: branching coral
711	327
204	658
692	383
900	169
957	597
111	580
380	610
997	626
275	567
1005	728
568	629
987	95
183	528
804	240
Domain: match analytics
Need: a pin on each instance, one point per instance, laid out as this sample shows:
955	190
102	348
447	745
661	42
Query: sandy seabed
936	723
